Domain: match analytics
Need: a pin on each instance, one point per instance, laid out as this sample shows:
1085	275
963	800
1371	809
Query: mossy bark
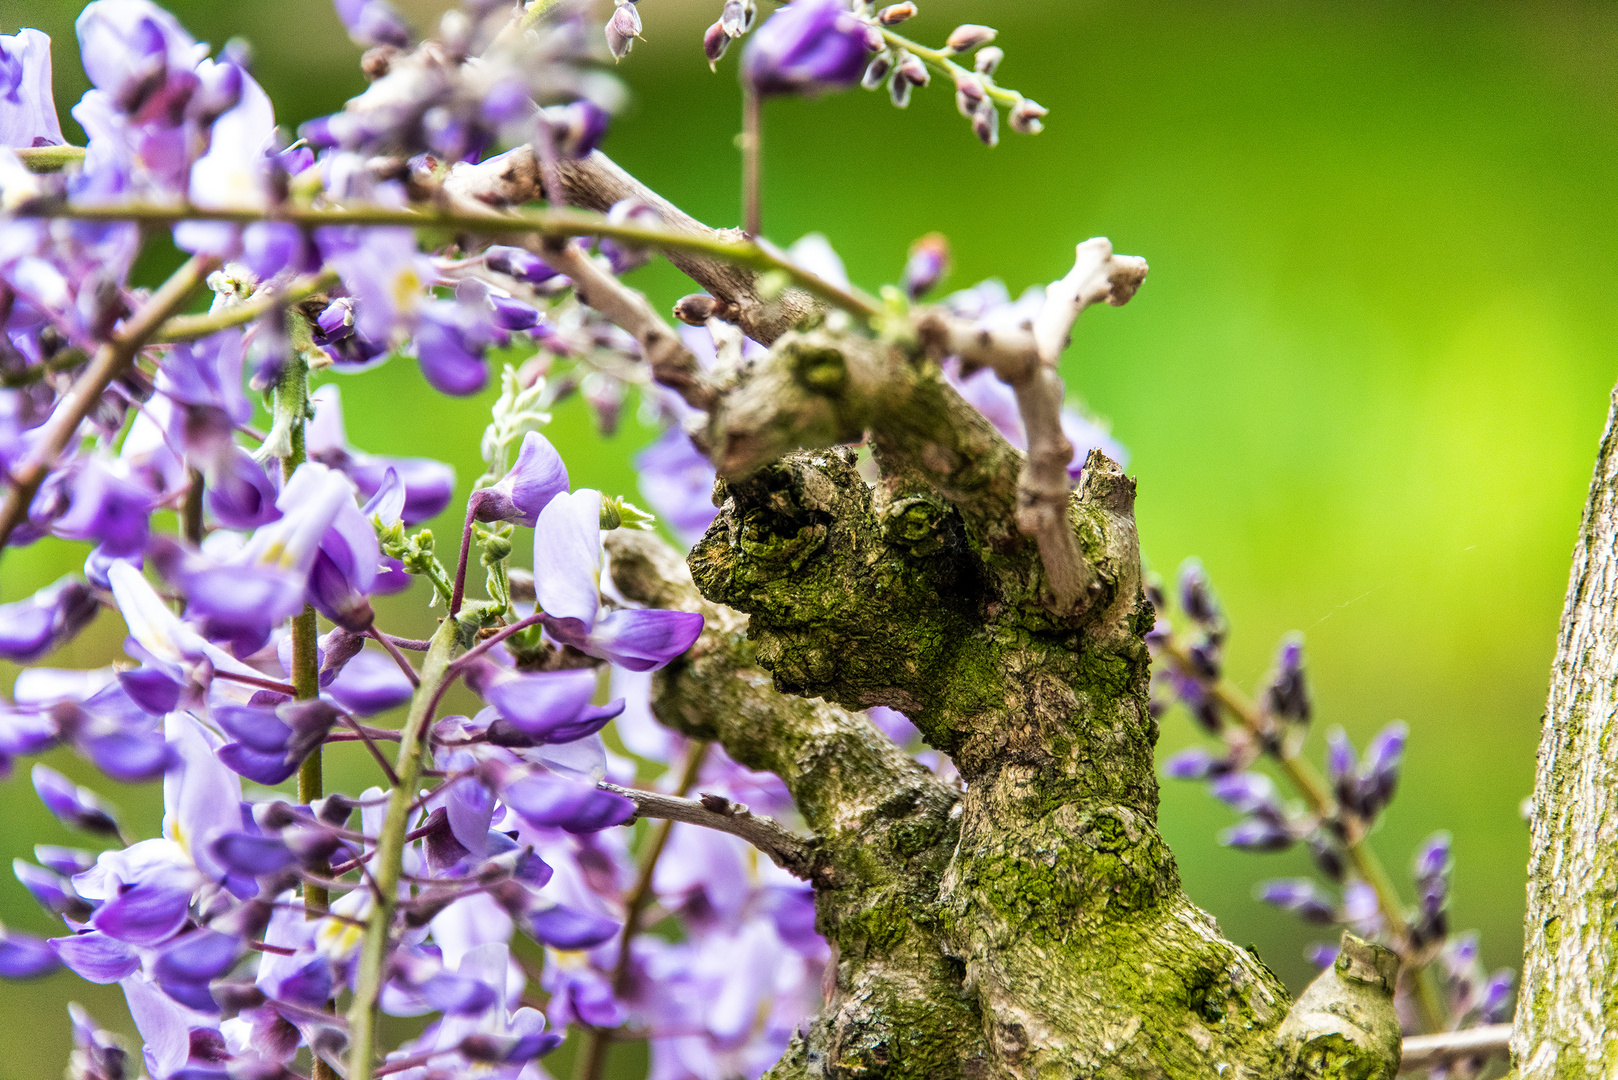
1567	1014
1032	925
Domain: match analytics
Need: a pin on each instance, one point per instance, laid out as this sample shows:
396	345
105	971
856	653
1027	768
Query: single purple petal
238	491
806	47
563	804
64	860
74	806
567	557
198	957
262	768
95	956
252	854
23	956
370	683
27	109
144	914
32	627
537	477
642	639
536	703
458	995
130	757
564	927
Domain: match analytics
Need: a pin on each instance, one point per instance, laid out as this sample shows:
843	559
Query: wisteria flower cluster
264	928
1443	985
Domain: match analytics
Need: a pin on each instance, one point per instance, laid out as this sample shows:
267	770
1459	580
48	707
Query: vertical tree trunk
1567	1016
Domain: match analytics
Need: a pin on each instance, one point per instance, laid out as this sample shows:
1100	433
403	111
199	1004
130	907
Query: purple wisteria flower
807	47
567	577
27	109
32	627
537	477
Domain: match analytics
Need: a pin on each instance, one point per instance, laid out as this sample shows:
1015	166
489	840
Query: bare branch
671	362
1097	275
785	848
1426	1051
596	183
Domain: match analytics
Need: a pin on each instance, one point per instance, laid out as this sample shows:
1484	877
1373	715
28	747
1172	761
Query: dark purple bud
929	258
450	359
1382	759
1341	760
1207	657
986	60
1299	896
806	47
1326	856
564	927
510	1050
74	806
64	860
1494	1005
95	957
144	914
968	36
32	627
552	802
894	14
1195	764
1433	857
309	985
52	891
714	43
1287	696
623	255
335	322
1247	793
219	90
252	854
1197	597
1257	834
518	263
23	956
969	95
1321	955
512	314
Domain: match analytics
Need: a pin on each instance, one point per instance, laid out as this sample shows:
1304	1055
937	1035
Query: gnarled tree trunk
1567	1014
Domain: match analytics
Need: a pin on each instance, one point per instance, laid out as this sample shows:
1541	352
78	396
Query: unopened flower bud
622	29
968	94
911	67
737	17
894	14
899	91
988	59
696	309
929	257
873	38
986	124
1025	117
877	70
968	36
714	43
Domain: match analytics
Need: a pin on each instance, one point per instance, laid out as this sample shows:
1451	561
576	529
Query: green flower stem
1302	775
941	60
756	254
362	1016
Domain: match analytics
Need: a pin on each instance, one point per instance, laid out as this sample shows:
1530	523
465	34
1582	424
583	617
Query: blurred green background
1364	383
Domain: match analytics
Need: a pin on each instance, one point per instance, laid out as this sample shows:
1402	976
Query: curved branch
785	848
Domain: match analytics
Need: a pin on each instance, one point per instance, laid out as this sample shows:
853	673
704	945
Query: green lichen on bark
1344	1026
1032	925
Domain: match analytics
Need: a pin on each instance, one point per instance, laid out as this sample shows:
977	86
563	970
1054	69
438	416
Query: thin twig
1425	1051
263	684
785	848
459	593
752	160
192	327
413	644
376	751
111	361
390	645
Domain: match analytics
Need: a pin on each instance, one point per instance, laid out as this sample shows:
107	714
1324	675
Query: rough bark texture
1032	925
1567	1015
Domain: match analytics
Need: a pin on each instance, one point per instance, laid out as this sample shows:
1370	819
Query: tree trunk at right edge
1567	1016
